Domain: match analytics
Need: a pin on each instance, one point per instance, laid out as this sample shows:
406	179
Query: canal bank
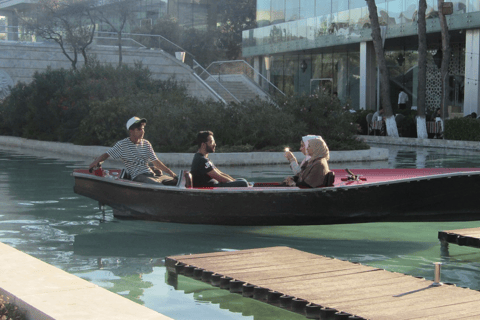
415	142
45	292
57	149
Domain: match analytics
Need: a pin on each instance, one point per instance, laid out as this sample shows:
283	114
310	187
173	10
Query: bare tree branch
117	10
69	23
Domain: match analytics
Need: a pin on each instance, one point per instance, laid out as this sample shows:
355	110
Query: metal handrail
151	35
219	97
249	66
197	65
126	39
18	30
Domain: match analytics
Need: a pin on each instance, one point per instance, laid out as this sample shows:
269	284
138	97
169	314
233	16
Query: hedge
91	106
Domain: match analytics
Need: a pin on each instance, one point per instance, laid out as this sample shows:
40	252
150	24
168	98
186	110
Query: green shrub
90	107
321	115
14	109
462	129
54	104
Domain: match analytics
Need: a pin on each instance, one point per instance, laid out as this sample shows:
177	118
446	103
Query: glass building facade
316	44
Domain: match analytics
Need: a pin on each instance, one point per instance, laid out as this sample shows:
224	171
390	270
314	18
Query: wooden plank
469	237
312	277
340	282
423	300
340	296
260	262
467	230
368	292
449	295
446	312
224	254
267	272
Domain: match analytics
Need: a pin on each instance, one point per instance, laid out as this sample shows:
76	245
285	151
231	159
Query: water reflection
43	217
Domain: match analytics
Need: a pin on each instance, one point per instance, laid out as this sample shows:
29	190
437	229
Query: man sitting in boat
204	173
296	168
313	174
136	153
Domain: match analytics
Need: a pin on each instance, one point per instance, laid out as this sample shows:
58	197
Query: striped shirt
135	157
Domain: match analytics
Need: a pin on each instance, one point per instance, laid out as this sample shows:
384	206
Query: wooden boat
366	195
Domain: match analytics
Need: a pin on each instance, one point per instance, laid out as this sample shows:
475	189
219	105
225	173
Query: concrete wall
76	152
20	60
431	143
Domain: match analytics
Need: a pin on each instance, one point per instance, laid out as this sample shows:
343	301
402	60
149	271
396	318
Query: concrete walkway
57	149
48	293
414	142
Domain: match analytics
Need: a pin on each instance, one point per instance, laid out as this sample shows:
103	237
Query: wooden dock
469	237
325	288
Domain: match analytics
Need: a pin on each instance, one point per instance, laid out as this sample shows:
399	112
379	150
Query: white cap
133	121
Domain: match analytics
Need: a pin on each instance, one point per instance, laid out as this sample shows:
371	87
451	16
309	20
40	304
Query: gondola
362	195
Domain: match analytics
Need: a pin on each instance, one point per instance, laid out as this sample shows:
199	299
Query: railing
110	41
149	41
18	33
203	74
139	40
220	68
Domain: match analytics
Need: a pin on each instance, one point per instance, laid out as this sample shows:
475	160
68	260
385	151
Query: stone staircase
239	86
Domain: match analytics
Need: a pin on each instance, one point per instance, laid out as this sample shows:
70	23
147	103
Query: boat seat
125	175
329	179
188	179
184	179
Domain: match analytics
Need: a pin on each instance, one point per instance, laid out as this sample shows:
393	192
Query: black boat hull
450	197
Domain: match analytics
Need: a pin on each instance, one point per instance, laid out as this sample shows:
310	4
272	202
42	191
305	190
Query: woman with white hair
296	168
313	174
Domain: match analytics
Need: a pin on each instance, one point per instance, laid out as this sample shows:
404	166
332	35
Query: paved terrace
433	143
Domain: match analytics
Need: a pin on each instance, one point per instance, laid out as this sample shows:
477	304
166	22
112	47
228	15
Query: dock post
444	248
172	279
437	282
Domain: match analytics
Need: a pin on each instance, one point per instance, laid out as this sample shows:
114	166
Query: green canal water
42	216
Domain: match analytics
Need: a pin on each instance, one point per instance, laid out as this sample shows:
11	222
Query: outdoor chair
398	120
369	123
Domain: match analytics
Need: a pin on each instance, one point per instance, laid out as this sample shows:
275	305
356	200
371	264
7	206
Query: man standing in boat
204	173
136	153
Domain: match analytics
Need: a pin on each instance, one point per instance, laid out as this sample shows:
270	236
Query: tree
69	23
116	14
446	51
236	16
382	65
422	71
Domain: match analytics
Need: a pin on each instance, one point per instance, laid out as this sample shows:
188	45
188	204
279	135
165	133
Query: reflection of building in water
123	276
318	39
